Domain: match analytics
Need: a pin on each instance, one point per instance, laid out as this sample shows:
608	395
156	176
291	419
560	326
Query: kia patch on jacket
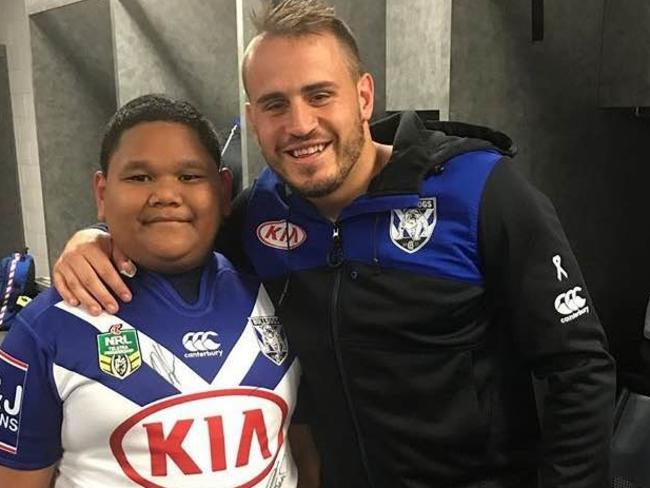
280	234
411	228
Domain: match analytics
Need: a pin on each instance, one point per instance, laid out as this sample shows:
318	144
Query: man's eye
320	97
274	106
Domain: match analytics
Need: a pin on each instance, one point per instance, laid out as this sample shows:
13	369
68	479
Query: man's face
163	197
307	110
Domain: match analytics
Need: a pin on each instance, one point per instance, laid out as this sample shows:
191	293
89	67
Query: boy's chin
171	263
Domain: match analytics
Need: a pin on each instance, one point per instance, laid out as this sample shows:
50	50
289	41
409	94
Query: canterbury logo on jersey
571	304
202	344
280	234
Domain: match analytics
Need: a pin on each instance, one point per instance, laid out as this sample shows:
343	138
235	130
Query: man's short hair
295	18
157	108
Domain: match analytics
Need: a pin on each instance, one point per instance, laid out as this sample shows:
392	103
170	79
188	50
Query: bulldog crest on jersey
119	351
271	338
411	228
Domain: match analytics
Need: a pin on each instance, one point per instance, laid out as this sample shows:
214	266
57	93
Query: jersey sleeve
30	409
539	293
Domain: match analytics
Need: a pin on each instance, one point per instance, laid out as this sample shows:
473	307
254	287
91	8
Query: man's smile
305	151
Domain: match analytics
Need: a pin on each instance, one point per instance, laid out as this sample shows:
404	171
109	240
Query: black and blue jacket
422	314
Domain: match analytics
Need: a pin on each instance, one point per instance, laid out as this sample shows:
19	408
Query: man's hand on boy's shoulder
84	273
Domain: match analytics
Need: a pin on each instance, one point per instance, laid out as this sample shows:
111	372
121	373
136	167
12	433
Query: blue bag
17	285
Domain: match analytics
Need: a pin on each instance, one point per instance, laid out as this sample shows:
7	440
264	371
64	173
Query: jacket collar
421	148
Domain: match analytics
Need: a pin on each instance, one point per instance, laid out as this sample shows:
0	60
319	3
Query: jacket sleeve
536	286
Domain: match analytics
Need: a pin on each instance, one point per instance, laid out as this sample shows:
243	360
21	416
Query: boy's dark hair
295	18
157	108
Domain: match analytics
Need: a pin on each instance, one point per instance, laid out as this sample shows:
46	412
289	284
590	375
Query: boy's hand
84	273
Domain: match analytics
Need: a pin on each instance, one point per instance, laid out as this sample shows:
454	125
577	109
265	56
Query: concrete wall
188	52
625	71
12	237
14	33
418	55
590	161
37	6
75	96
367	19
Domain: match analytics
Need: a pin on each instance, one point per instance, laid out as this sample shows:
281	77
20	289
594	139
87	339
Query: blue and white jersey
162	394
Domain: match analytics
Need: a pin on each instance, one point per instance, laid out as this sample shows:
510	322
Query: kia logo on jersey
281	234
226	438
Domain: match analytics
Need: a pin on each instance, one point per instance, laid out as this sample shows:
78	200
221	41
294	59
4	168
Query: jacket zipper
335	260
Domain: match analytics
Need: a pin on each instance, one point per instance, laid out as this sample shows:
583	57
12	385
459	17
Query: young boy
192	384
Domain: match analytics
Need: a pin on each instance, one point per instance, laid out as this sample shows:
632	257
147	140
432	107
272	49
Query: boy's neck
186	282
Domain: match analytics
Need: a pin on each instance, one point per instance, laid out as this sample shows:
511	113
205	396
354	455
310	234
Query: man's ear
250	116
225	179
251	120
366	94
99	189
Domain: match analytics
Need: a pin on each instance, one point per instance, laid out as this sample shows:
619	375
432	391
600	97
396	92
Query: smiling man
423	282
190	384
336	135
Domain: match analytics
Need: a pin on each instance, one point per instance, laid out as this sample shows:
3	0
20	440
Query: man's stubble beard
350	153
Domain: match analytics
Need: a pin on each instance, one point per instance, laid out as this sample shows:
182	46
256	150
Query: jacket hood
422	147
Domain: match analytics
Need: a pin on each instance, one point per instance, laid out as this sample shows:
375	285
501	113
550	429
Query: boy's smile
163	196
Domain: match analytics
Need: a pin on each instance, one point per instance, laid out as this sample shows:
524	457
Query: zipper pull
335	255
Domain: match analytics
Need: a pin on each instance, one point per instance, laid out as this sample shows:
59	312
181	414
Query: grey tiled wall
75	96
12	237
624	74
14	33
418	53
188	52
591	162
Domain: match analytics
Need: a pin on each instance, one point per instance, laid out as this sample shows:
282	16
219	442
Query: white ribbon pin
557	261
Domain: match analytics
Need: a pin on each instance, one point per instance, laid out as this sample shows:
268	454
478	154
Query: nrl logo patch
271	338
411	228
119	351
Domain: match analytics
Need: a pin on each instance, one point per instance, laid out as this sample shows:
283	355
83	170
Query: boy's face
163	197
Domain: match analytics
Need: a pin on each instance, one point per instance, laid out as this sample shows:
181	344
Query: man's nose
302	119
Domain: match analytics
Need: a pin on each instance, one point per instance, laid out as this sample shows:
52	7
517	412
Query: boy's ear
99	189
226	178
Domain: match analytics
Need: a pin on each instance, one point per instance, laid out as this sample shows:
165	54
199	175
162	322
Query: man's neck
373	158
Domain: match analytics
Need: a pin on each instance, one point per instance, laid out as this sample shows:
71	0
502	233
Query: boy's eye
138	178
190	177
